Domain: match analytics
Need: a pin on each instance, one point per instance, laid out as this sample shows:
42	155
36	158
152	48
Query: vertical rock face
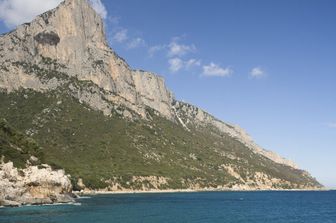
153	92
66	49
72	35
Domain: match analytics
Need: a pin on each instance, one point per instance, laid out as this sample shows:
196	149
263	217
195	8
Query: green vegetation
17	147
97	148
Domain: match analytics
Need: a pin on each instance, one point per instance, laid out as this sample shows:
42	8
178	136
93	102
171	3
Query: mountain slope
17	147
119	128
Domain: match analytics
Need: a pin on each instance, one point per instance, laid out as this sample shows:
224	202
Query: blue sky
266	65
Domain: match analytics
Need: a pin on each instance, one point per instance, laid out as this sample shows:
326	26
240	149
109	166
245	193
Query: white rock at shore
33	185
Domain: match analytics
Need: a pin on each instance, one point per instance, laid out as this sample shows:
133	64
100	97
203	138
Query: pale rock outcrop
33	185
230	170
141	183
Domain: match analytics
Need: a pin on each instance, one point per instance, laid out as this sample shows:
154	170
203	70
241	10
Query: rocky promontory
33	185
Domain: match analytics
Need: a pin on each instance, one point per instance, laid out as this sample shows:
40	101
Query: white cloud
173	49
16	12
177	64
135	43
175	53
257	72
99	7
176	49
215	70
120	36
192	63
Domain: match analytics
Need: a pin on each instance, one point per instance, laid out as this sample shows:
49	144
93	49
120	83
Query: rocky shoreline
41	185
33	185
102	192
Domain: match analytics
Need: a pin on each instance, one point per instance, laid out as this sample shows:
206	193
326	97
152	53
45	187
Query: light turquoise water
227	207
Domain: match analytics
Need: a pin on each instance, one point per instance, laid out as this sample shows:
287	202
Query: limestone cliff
71	40
64	53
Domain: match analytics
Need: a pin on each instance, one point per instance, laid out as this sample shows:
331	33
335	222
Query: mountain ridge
63	50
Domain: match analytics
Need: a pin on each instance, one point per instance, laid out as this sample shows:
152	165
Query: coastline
100	192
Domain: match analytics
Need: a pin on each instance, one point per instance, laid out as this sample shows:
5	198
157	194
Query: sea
212	207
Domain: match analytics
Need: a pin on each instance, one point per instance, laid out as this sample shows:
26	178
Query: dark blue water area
224	207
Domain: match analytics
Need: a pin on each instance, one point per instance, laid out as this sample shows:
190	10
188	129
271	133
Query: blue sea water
224	207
